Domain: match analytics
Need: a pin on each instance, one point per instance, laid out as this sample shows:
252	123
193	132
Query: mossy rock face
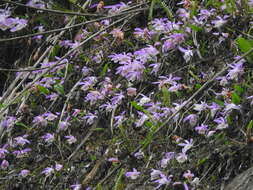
244	181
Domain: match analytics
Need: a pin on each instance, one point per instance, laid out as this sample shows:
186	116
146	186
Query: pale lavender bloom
183	14
8	122
21	140
113	160
160	25
230	107
85	70
177	38
167	80
235	70
214	108
219	22
108	107
155	67
250	3
63	125
175	88
131	91
205	14
117	98
76	112
210	133
195	181
94	96
187	53
24	173
52	96
48	137
164	180
142	33
222	124
168	156
181	157
121	58
186	187
65	43
119	119
71	139
139	154
116	8
76	187
192	118
40	120
155	174
58	167
105	22
36	3
223	80
168	45
20	24
48	171
3	152
187	145
88	82
90	118
21	153
50	116
202	129
132	71
98	57
14	24
133	175
250	98
142	55
200	107
40	29
188	175
4	164
141	121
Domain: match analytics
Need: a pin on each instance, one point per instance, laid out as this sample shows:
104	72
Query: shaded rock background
244	181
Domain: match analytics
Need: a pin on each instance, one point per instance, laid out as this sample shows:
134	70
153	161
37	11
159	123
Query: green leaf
72	1
201	161
22	125
235	98
165	8
166	96
243	44
55	51
137	106
219	102
151	10
148	124
99	187
250	125
195	28
98	129
197	86
119	184
43	89
129	43
59	88
104	70
238	89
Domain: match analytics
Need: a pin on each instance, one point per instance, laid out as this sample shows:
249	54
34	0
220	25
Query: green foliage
166	96
119	182
236	98
43	90
59	89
